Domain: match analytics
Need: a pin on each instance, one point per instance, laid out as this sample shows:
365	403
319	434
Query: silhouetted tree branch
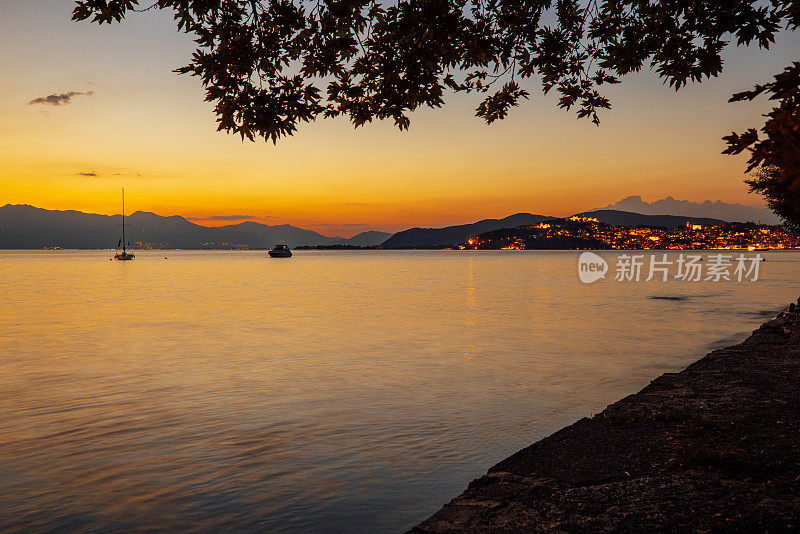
775	156
269	65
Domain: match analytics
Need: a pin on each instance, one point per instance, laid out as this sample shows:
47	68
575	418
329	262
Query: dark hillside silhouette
451	235
626	218
27	227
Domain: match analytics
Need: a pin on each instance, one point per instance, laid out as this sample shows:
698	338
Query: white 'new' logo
591	267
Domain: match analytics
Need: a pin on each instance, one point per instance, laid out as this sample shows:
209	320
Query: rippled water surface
334	391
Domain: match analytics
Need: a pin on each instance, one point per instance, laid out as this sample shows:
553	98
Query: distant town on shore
586	232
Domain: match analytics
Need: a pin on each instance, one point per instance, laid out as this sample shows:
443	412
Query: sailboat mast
123	220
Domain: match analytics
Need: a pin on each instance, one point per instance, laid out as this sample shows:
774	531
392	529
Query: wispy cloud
223	218
91	174
59	99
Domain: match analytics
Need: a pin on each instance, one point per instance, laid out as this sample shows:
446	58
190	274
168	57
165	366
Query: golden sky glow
148	129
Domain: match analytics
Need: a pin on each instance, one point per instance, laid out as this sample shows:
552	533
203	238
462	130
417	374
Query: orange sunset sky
148	129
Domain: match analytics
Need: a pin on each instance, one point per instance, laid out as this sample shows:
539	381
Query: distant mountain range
716	209
27	227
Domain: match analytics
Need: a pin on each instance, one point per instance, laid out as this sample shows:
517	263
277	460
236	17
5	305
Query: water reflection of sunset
231	391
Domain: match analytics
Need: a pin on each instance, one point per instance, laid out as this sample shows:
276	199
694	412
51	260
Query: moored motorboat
280	251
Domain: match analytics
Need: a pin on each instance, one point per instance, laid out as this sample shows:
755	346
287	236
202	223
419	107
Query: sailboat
124	255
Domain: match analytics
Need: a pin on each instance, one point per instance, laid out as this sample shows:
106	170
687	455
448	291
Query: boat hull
124	256
280	253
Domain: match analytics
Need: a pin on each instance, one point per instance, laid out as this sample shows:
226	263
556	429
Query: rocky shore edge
715	447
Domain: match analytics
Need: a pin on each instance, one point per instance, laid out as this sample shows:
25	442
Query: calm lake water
331	392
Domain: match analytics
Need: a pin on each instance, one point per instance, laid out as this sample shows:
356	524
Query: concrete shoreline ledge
715	447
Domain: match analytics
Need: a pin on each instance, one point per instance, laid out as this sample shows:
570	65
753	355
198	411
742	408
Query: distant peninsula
587	231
